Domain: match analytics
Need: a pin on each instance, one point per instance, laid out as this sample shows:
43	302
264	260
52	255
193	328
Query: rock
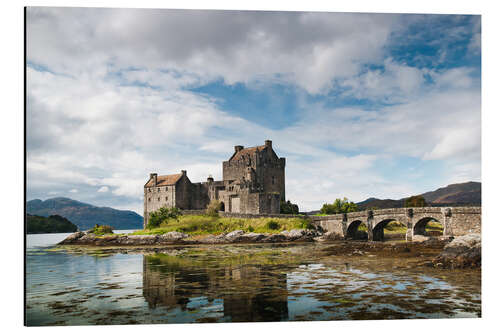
251	237
233	235
300	234
461	252
172	236
419	238
73	237
139	240
214	239
329	236
274	238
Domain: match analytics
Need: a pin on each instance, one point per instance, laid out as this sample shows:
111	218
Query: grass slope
201	224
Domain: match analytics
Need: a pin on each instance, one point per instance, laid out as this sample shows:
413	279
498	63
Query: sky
360	105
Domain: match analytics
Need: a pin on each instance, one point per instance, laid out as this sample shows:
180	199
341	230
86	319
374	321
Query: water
235	283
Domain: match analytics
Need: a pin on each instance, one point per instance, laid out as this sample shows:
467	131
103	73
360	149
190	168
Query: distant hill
463	194
52	224
84	215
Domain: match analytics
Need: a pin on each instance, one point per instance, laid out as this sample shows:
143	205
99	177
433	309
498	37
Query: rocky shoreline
461	252
178	238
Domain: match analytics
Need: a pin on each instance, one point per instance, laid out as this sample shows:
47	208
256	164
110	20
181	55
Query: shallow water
229	283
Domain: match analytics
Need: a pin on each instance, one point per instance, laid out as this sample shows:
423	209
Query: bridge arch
352	230
378	227
421	224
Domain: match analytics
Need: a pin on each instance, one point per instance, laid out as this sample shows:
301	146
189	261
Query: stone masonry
253	182
456	221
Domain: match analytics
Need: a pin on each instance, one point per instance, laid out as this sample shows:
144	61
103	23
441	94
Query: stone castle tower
253	182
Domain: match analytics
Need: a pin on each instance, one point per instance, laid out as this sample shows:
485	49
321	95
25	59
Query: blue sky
361	105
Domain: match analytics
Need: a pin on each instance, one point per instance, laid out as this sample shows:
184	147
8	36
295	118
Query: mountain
463	194
84	215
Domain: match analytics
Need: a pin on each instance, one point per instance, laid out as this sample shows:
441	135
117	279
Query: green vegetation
213	208
289	208
52	224
101	229
434	228
415	201
339	206
204	224
162	215
395	227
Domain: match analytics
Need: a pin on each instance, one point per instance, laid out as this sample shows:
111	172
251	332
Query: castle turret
268	143
238	148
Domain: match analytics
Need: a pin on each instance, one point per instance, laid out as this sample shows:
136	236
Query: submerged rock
461	252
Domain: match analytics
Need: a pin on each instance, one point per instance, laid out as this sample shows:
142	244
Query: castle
253	182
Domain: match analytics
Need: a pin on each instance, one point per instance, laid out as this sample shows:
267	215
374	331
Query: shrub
213	208
339	206
273	225
101	229
162	215
306	224
288	208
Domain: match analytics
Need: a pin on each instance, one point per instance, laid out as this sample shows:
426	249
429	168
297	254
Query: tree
339	206
288	208
415	201
162	215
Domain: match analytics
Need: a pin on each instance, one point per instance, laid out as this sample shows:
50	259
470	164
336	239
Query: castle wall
157	197
199	196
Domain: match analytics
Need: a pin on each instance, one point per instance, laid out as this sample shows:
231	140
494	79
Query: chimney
154	177
269	143
183	172
238	148
210	179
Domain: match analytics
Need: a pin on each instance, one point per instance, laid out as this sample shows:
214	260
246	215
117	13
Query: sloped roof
165	180
247	151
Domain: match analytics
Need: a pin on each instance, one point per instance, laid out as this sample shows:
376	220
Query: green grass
395	227
201	225
434	227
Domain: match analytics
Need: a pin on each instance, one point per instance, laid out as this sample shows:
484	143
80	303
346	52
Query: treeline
52	224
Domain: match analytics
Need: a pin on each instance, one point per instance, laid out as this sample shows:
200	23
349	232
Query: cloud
110	100
73	190
308	49
103	189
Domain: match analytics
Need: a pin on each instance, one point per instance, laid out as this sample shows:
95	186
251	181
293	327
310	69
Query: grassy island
205	224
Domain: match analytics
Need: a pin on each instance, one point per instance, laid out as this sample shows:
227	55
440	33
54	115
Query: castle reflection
247	292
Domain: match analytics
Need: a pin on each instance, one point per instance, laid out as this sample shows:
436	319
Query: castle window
149	199
166	198
149	190
159	188
159	198
273	179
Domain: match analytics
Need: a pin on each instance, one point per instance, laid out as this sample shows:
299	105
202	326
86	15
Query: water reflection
74	286
244	292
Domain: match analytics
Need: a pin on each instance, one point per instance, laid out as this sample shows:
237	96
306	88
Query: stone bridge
456	221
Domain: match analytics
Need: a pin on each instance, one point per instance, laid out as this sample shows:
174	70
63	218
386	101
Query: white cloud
310	49
103	189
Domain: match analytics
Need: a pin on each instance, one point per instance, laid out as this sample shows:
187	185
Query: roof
247	151
165	180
